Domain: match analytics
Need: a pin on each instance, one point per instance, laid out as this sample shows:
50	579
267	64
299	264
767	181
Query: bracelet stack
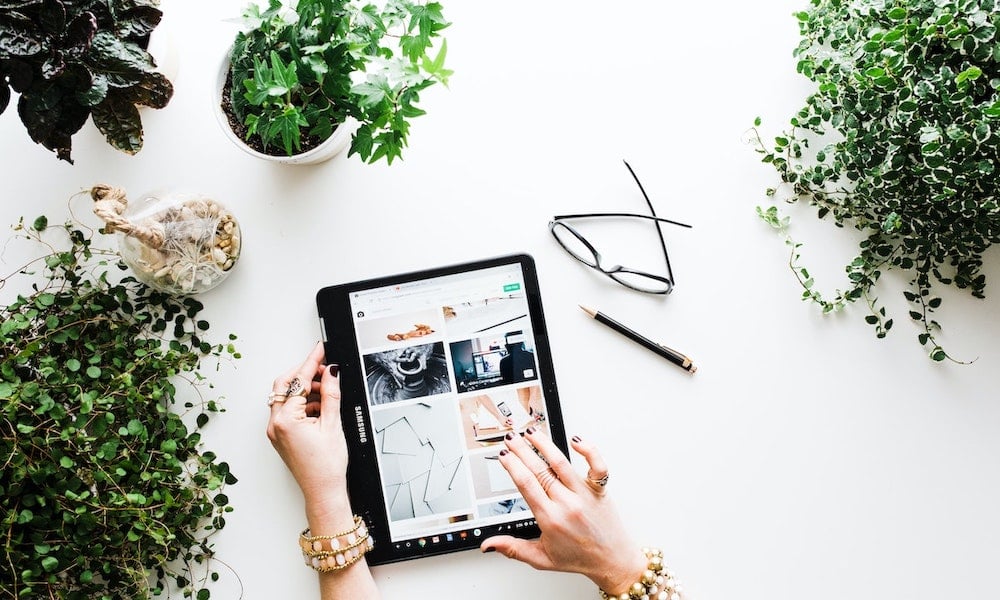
656	583
326	553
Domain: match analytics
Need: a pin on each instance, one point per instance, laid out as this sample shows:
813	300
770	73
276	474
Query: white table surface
805	459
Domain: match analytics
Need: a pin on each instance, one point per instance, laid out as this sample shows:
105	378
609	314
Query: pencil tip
588	311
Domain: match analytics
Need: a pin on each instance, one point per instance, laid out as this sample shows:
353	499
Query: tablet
436	367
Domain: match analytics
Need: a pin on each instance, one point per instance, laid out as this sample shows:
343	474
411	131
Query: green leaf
50	564
135	427
897	14
40	224
972	73
371	94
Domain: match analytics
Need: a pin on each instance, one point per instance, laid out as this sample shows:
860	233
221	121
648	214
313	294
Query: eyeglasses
579	248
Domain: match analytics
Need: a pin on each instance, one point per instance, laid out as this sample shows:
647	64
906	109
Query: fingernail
489	549
529	430
577	439
503	452
509	436
334	370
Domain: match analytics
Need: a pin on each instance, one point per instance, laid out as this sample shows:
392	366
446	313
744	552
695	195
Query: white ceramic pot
337	142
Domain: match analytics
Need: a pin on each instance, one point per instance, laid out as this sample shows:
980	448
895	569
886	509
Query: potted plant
899	141
71	61
330	72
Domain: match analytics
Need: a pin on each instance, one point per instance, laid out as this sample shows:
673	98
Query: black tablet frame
364	484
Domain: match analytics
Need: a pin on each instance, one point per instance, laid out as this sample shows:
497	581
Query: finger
311	367
530	552
280	386
547	477
554	457
526	482
329	396
303	381
597	468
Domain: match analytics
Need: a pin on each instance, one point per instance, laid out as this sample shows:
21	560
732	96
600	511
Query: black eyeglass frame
611	272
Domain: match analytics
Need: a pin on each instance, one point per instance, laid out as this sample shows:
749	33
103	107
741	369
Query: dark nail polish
334	370
529	430
509	436
577	439
489	549
503	452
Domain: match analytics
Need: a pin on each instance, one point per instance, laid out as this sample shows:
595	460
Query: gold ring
276	397
598	484
297	388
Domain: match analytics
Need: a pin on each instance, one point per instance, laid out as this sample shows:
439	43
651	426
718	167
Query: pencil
670	354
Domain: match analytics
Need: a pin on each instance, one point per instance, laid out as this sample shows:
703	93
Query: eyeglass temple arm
647	217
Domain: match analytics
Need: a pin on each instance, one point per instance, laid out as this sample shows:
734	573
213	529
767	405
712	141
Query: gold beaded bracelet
326	553
656	583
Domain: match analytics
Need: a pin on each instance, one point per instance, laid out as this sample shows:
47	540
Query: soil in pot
308	141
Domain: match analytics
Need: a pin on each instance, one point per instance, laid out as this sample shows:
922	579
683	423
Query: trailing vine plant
105	490
900	140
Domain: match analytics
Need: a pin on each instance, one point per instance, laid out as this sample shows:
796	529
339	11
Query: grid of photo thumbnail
445	385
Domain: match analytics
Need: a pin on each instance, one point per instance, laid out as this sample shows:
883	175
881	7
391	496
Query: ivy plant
900	141
297	74
72	60
105	489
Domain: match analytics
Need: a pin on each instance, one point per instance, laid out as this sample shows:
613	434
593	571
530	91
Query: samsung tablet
436	368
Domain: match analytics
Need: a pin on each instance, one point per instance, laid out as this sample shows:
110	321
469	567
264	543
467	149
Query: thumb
329	396
529	552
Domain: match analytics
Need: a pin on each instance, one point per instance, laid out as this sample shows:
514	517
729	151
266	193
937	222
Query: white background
805	459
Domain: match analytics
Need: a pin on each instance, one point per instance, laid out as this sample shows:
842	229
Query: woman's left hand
306	430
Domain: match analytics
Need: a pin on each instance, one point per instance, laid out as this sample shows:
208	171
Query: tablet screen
436	368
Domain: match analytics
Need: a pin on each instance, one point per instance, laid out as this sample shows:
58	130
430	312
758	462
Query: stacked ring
276	397
546	478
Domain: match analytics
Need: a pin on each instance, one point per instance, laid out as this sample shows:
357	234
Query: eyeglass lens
581	250
574	244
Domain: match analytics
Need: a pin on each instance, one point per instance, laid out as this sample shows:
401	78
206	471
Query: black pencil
670	354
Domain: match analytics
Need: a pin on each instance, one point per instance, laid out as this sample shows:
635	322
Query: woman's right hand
581	531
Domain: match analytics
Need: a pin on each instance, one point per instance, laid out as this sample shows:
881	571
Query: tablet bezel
337	326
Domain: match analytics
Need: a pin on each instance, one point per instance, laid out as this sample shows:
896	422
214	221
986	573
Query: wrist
618	576
656	581
326	514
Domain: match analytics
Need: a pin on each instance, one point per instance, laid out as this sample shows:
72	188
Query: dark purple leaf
19	36
80	34
17	4
137	23
95	93
53	66
124	63
4	97
19	74
52	17
118	119
77	78
50	119
155	91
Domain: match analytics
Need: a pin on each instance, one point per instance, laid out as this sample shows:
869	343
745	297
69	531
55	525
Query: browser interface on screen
450	369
